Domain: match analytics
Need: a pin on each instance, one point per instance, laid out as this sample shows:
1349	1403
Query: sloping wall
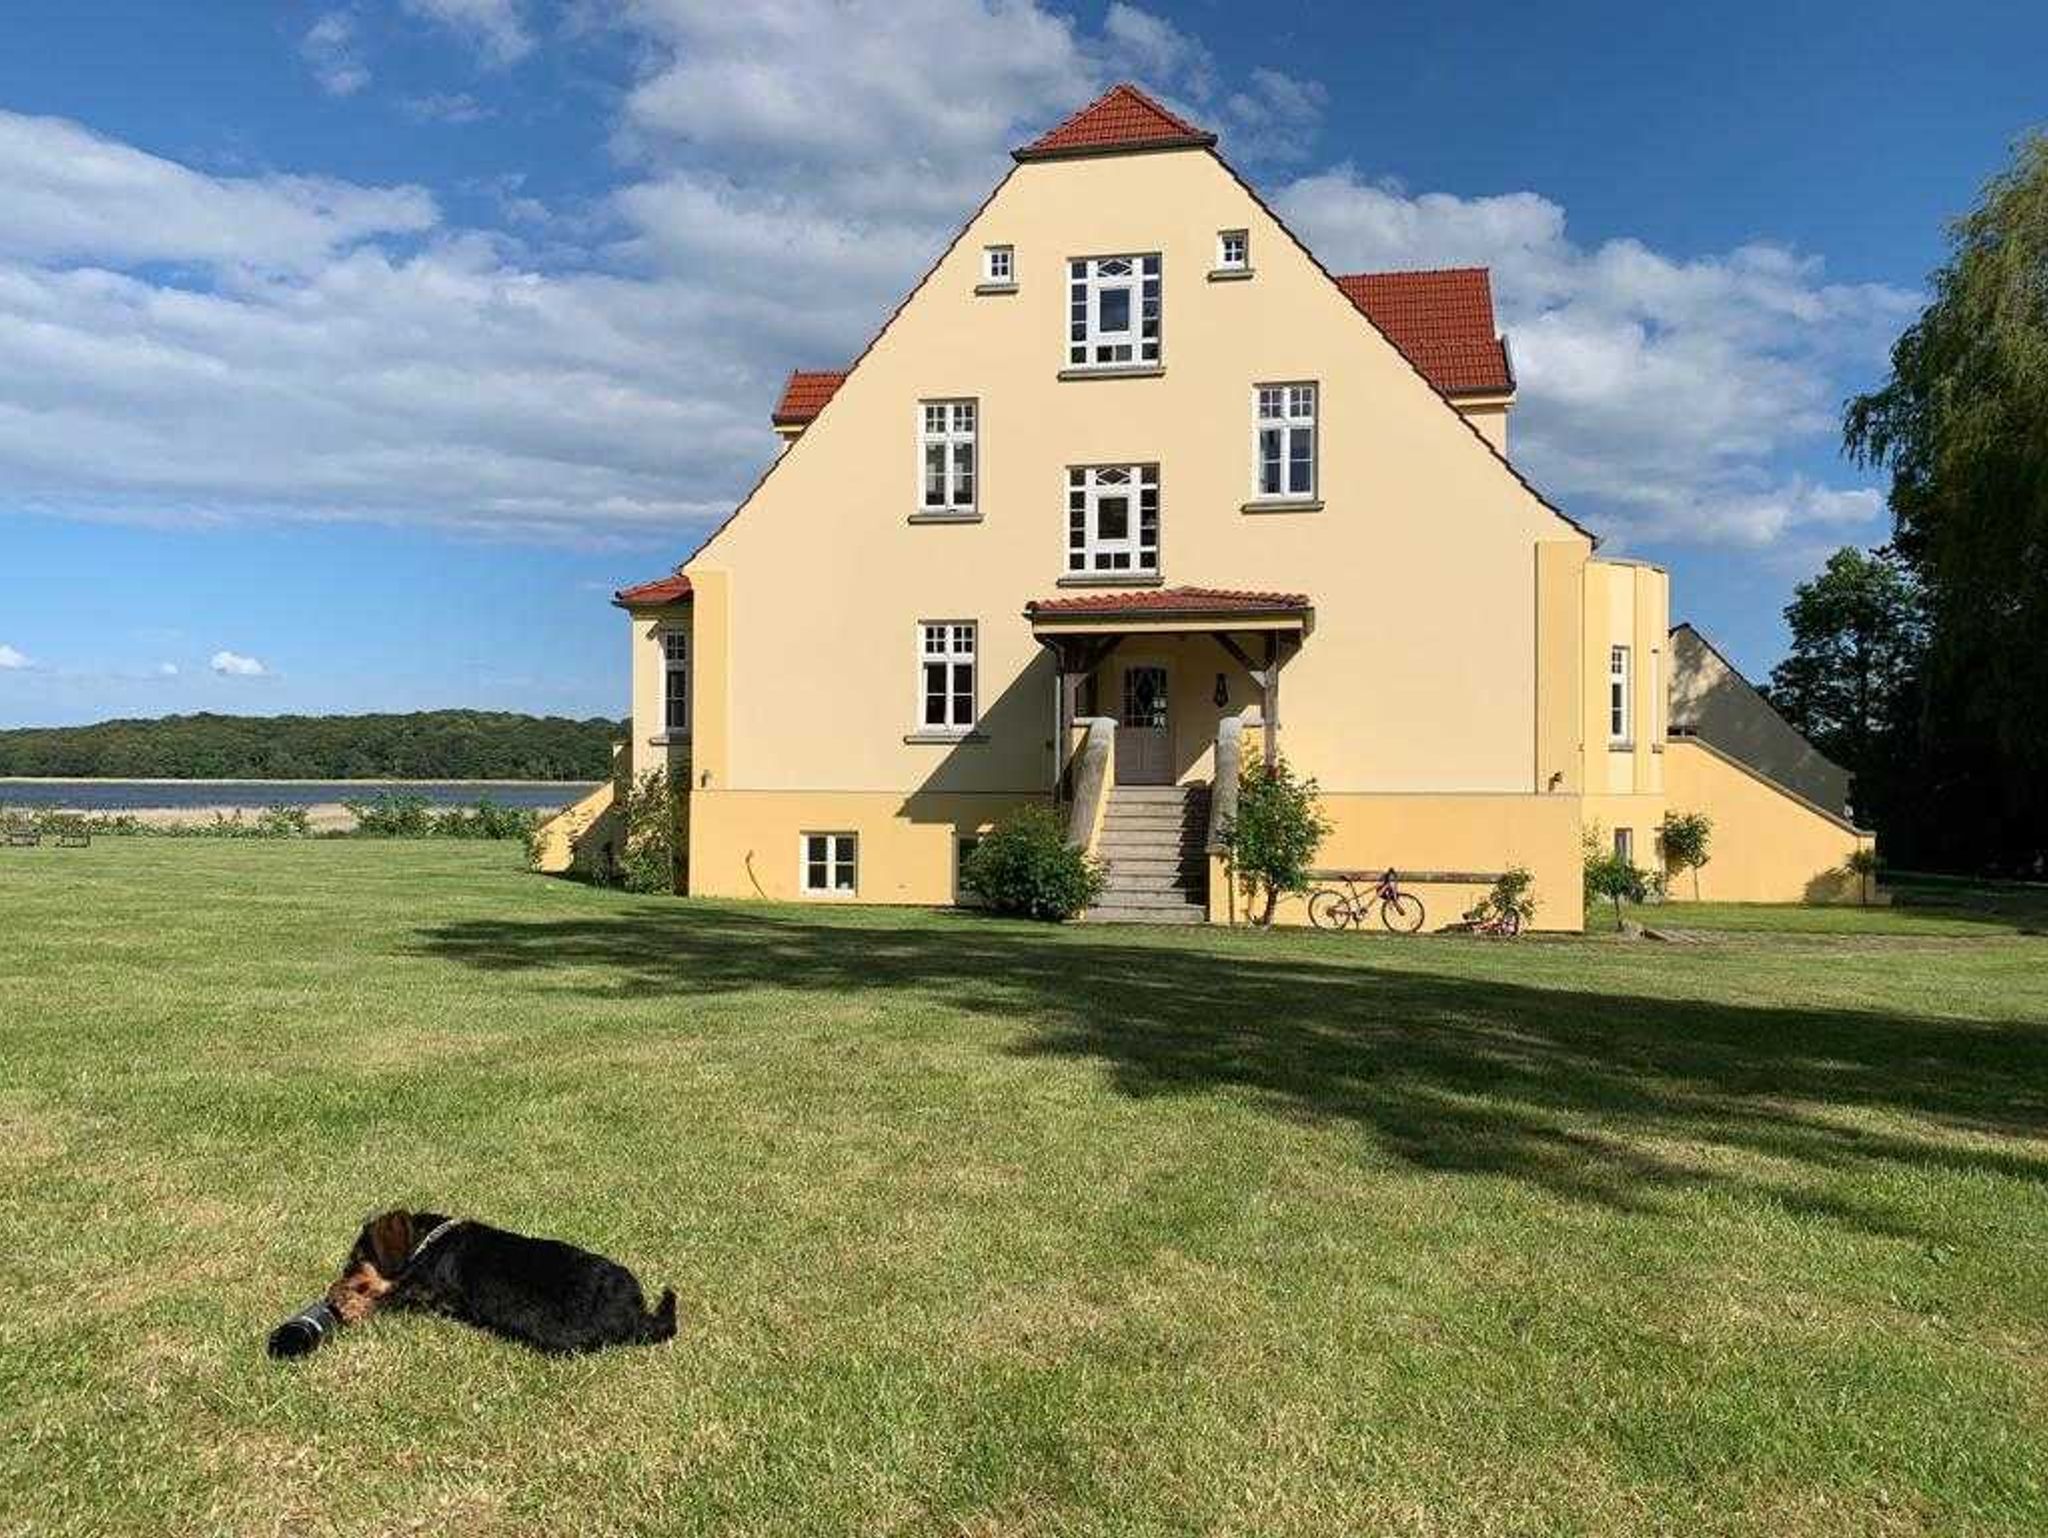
1709	699
1769	846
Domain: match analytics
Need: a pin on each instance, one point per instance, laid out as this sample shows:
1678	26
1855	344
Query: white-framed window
946	451
1233	250
1625	844
1113	311
675	682
1113	519
1284	439
998	264
831	864
945	675
1619	714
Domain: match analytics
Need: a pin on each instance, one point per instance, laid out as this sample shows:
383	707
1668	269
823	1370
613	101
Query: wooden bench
22	834
74	833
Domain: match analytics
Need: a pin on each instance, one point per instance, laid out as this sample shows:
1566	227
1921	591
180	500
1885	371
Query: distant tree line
426	745
1923	667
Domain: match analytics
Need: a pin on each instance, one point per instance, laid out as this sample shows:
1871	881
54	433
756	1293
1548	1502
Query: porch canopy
1260	630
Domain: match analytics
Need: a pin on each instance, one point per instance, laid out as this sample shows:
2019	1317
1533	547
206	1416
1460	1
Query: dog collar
440	1231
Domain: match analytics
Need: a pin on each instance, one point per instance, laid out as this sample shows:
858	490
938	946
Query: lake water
139	795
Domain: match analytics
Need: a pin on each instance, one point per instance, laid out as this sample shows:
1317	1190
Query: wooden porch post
1269	707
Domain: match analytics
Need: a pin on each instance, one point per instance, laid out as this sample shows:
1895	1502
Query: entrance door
1144	738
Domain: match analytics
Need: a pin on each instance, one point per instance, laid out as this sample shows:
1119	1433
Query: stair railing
1090	780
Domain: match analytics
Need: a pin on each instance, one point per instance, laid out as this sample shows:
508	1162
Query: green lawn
992	1229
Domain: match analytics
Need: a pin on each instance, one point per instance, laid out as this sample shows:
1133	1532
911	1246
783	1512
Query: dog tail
661	1324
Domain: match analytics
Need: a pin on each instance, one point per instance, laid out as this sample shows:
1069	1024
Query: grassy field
989	1229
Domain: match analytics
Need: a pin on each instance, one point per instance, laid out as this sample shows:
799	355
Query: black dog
545	1294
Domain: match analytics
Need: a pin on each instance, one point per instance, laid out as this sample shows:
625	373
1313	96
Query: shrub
282	822
1687	837
1275	834
1025	867
392	815
653	852
1864	865
487	819
1513	893
1614	878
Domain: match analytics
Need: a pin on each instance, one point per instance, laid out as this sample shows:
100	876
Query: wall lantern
1222	691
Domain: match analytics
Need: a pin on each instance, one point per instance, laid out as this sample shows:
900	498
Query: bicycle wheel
1330	910
1402	913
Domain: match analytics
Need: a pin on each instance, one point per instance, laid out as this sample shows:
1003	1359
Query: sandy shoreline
87	779
321	817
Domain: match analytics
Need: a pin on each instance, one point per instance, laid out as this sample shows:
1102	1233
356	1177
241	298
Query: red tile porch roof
805	395
673	588
1442	321
1120	120
1166	600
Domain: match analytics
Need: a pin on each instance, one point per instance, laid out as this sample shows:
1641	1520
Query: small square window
830	864
1233	250
999	264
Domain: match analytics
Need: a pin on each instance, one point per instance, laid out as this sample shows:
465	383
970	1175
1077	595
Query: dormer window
999	264
1233	250
1113	311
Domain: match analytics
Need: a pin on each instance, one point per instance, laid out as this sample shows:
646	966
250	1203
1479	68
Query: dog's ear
390	1241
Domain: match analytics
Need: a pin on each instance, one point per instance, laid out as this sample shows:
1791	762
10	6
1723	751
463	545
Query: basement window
831	864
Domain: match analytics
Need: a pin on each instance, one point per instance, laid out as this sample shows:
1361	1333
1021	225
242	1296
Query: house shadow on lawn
1606	1098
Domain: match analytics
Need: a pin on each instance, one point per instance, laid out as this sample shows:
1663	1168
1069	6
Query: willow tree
1962	425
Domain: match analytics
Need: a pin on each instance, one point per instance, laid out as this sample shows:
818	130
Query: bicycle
1347	907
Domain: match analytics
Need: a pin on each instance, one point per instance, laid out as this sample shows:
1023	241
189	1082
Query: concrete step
1138	897
1123	879
1156	792
1150	861
1186	913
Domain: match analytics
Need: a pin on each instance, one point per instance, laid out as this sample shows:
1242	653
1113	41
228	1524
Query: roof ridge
1415	272
1123	118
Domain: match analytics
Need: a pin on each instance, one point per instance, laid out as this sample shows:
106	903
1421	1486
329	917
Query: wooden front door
1144	736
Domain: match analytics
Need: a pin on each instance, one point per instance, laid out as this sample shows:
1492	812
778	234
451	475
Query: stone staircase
1153	849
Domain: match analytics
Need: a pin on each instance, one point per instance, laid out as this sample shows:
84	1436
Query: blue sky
355	352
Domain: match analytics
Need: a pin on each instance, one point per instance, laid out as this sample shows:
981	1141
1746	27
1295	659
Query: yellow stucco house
1127	487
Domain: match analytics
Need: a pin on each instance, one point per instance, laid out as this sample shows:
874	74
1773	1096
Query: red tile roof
673	588
1123	118
1169	600
1443	323
805	395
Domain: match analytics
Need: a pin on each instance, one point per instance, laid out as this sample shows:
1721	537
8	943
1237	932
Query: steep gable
1125	124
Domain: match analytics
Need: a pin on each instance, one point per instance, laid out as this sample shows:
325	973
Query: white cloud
234	665
455	107
75	196
11	659
495	27
186	347
167	670
331	48
1655	392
